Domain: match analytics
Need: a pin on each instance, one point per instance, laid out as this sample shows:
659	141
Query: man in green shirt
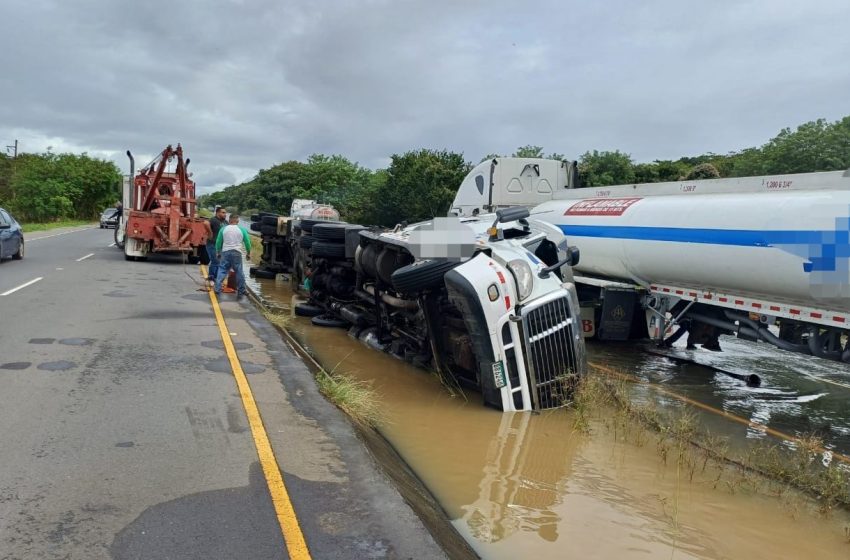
228	246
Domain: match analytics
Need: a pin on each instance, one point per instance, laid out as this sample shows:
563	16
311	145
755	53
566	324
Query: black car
11	237
108	218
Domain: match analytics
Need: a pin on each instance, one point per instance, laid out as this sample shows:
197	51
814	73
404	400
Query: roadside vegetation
354	397
782	469
50	188
30	227
421	184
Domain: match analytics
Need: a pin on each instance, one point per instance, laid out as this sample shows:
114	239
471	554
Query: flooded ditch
522	485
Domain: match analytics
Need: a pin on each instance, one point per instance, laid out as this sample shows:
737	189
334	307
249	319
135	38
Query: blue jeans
230	259
212	269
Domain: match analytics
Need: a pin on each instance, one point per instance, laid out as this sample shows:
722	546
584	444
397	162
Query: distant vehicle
11	237
108	219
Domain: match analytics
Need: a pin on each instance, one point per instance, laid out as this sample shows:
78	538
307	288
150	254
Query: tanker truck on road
764	258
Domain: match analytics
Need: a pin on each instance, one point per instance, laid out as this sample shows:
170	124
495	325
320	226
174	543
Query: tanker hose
816	346
768	336
721	324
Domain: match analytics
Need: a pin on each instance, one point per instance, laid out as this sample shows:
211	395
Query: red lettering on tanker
600	207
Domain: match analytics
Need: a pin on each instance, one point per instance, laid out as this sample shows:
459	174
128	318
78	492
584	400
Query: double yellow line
292	535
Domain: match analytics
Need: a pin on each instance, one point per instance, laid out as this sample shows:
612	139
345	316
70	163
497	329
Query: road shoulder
346	504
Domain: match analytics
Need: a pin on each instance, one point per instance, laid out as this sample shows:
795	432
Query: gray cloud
244	84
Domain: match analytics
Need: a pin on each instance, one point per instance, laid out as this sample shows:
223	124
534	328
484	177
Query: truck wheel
328	250
420	275
307	224
256	218
306	241
307	310
256	226
329	232
269	220
266	229
328	321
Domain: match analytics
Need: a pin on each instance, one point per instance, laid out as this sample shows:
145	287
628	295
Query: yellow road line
292	535
708	408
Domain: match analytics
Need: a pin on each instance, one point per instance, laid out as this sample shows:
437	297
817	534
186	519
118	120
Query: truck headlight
524	277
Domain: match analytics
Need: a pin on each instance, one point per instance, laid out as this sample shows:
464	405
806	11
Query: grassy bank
355	398
31	227
770	466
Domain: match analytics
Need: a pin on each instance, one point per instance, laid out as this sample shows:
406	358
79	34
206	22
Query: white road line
22	286
57	234
84	258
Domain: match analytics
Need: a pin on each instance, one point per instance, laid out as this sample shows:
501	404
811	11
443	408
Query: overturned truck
486	302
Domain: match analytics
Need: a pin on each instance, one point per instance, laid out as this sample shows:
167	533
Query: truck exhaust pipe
132	176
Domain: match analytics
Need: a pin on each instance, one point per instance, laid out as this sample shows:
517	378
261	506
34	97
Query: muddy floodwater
523	485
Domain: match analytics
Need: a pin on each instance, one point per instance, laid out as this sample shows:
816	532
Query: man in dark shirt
216	223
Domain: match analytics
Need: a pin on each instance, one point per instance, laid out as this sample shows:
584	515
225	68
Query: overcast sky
245	84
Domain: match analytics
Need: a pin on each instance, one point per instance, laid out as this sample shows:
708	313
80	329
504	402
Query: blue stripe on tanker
821	247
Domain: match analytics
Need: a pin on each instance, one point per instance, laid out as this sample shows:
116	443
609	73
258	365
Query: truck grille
549	348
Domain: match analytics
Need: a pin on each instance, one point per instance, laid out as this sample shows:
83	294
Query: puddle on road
529	486
59	365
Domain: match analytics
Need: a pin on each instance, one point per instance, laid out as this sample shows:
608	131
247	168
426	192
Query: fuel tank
790	246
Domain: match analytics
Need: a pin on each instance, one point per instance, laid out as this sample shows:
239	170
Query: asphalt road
123	434
112	428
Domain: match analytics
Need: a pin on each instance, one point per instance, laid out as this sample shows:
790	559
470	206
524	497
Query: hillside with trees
421	184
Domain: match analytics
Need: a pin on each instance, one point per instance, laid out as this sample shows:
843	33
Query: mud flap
618	308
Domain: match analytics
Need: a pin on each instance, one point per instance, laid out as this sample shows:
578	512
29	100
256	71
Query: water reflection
521	482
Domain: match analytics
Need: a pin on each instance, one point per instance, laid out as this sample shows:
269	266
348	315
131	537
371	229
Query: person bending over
231	238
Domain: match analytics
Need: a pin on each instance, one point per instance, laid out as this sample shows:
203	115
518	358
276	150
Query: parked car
11	237
108	219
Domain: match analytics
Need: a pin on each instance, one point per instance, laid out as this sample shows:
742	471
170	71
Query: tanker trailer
764	258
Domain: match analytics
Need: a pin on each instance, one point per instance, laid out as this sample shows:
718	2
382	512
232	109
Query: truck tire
329	321
307	224
306	241
256	226
421	275
261	273
256	218
270	220
266	229
328	250
307	310
329	232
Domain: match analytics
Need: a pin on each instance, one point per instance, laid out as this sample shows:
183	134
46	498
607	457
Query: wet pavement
117	442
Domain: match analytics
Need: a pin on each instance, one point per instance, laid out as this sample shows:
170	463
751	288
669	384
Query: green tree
529	151
599	169
51	186
702	171
420	185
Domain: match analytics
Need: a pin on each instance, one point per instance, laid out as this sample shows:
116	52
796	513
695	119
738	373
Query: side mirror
571	259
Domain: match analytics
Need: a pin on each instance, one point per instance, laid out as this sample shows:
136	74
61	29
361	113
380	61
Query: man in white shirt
231	238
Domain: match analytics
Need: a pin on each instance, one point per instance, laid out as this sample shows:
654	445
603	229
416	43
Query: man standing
216	223
228	246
